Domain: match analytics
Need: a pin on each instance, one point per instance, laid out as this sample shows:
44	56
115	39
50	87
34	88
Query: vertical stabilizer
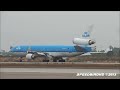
87	34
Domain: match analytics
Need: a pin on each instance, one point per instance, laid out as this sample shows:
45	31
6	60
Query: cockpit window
11	47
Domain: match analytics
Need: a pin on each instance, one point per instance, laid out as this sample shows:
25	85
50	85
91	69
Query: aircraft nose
10	50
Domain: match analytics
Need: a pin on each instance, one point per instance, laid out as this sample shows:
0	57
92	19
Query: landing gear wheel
62	60
45	60
54	60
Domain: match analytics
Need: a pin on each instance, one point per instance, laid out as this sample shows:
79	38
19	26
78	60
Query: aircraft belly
64	54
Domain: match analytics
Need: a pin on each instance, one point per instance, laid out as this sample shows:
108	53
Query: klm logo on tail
86	34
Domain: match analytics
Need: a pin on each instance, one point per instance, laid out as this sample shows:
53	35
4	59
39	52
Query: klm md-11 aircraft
56	52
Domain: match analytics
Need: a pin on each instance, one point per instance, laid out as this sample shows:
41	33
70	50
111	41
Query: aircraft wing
90	53
86	54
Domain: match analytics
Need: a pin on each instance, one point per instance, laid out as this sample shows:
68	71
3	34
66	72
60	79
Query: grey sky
58	27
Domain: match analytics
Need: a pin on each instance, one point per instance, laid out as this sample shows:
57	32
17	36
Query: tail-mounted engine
80	41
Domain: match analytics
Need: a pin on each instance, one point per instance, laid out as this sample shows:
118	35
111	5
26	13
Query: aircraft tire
45	60
61	60
54	60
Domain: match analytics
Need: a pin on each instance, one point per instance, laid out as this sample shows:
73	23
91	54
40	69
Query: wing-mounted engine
82	41
30	56
33	55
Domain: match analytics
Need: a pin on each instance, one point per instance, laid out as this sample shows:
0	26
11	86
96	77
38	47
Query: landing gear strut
59	59
45	60
62	60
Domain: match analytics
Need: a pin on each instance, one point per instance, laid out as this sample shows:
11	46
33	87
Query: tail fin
88	33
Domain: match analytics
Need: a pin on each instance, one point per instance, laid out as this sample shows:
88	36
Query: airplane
55	52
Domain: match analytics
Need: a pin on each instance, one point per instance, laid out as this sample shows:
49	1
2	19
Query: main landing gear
54	59
58	59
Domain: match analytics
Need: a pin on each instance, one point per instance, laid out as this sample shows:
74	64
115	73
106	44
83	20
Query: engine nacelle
80	41
30	56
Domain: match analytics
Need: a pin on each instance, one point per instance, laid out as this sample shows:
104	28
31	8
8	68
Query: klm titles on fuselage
51	49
